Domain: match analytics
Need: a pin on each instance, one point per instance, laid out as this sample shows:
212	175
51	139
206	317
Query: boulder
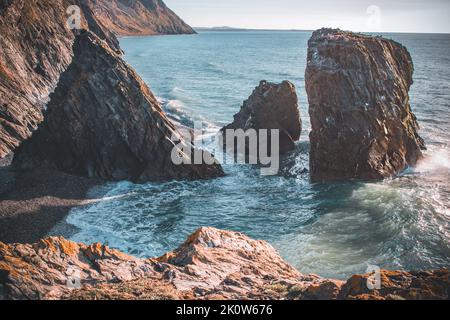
361	118
271	106
102	121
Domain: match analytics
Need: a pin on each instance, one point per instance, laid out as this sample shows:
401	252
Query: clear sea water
333	230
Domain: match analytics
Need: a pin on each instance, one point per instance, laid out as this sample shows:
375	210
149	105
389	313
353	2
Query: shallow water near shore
334	230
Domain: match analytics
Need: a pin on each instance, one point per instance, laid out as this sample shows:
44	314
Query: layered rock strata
36	47
138	17
102	121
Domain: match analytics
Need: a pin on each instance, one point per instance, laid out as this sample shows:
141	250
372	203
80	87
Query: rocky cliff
138	17
362	123
271	106
211	264
102	121
36	47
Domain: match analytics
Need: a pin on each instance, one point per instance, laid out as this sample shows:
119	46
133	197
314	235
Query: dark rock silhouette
362	123
102	121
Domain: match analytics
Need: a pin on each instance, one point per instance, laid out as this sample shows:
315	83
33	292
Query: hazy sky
356	15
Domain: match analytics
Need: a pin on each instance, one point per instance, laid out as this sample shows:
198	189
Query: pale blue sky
395	15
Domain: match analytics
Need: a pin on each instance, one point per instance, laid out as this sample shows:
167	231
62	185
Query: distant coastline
233	29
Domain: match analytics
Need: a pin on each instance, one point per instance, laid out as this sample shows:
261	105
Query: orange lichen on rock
211	264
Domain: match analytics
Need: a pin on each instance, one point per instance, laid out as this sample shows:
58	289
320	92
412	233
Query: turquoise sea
333	230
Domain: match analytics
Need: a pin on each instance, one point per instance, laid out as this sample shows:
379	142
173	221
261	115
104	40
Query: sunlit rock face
211	264
138	17
362	123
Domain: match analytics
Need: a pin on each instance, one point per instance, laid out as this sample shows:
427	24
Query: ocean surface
334	230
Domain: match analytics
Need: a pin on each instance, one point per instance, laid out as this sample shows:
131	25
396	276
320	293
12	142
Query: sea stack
358	91
102	121
271	106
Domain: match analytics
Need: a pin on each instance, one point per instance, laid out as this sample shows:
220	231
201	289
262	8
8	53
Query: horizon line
228	28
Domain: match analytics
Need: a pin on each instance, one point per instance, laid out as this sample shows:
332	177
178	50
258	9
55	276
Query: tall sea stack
362	123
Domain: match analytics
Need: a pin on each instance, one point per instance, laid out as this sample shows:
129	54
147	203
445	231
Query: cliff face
102	121
36	47
138	17
211	264
271	106
362	123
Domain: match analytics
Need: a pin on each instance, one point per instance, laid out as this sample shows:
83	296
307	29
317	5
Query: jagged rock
362	123
102	121
271	106
399	285
138	17
35	48
211	264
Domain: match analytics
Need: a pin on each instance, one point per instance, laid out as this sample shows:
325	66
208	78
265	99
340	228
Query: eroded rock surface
399	285
211	264
271	106
362	123
138	17
102	121
35	48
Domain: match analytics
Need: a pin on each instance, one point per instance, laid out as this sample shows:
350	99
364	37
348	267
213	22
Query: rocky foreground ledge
211	264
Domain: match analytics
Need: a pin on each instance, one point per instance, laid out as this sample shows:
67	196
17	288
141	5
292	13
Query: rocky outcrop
211	264
362	123
271	106
36	47
138	17
399	285
102	121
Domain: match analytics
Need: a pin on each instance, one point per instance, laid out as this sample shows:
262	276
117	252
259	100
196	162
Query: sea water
333	229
